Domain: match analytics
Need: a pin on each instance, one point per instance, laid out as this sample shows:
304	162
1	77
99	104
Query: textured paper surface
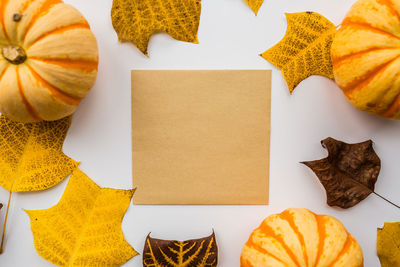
201	137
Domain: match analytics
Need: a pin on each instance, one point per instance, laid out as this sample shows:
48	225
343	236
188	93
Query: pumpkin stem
5	223
17	17
14	54
397	206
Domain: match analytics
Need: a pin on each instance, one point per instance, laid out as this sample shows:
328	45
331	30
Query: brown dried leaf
349	173
201	252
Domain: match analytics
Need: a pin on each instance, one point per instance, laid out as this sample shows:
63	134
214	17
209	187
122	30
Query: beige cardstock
201	137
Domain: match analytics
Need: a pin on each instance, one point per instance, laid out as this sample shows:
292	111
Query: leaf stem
387	200
5	223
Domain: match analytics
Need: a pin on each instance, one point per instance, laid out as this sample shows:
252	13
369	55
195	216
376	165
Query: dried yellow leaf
305	49
388	245
254	4
84	228
137	20
31	156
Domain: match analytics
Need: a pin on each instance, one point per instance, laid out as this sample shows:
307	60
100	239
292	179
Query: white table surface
231	37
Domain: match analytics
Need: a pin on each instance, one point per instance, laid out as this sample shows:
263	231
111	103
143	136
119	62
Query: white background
231	37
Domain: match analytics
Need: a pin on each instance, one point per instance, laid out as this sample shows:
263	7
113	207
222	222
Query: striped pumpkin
48	60
299	238
365	55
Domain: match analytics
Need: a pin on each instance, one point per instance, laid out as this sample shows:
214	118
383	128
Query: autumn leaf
388	244
31	156
201	252
254	4
84	228
138	20
349	173
305	49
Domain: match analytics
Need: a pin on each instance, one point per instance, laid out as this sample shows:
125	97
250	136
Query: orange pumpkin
299	238
365	54
48	61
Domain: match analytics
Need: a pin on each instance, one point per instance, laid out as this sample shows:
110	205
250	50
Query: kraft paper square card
201	137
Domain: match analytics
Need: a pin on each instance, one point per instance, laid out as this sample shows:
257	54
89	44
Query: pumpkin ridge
321	234
338	61
390	6
245	263
260	249
270	232
32	111
2	11
46	6
55	92
346	247
25	6
81	64
392	109
3	72
360	82
60	30
380	102
347	22
287	216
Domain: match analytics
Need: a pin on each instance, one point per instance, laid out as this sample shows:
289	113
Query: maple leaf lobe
137	20
84	227
31	157
305	49
254	5
349	173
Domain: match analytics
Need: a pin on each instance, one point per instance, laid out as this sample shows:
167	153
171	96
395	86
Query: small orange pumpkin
48	61
299	238
365	54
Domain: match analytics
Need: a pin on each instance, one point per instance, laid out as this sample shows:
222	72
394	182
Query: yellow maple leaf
254	4
31	156
84	228
388	245
137	20
305	48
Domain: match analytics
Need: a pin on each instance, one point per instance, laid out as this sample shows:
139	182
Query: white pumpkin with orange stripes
300	238
365	55
48	61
